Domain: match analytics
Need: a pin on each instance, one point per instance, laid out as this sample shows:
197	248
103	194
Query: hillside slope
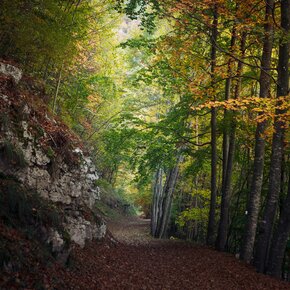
48	185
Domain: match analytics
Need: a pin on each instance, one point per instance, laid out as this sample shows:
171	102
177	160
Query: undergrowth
113	203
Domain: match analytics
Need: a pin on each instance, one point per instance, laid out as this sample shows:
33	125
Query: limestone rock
100	231
72	188
12	71
56	241
81	230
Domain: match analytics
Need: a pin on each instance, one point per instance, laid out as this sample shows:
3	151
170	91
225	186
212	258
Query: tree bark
162	200
281	237
211	221
167	200
267	223
256	185
226	114
225	203
57	89
156	202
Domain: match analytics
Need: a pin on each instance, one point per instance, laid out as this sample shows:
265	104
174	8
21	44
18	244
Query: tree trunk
168	191
267	223
57	89
224	217
156	202
281	237
256	185
162	200
226	114
229	152
211	221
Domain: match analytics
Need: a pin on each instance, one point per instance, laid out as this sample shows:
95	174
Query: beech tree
278	144
257	179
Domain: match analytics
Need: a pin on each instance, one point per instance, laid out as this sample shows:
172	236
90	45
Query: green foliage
146	10
50	153
198	214
114	201
41	30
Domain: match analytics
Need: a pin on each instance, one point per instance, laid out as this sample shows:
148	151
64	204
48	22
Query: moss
50	152
40	131
66	237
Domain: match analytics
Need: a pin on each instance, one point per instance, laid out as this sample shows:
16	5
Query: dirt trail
138	261
142	262
131	230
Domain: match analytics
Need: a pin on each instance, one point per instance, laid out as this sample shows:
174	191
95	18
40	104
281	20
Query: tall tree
156	202
257	179
162	200
212	211
227	175
267	223
280	239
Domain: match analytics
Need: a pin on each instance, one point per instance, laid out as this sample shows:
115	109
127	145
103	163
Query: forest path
132	230
137	261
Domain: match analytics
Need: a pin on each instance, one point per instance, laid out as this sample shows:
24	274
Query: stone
56	241
26	133
41	158
26	110
81	230
100	231
4	97
56	194
73	189
11	71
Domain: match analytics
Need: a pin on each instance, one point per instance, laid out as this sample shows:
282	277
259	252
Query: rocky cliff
45	156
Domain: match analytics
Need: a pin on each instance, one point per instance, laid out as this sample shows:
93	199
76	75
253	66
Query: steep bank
41	159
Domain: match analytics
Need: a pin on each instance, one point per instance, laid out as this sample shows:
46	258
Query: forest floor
131	259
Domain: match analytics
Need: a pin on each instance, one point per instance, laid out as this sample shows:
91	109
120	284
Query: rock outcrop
11	71
38	150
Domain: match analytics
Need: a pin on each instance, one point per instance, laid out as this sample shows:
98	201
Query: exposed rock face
12	71
81	230
70	186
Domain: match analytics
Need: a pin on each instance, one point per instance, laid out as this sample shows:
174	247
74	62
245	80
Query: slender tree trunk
57	89
211	221
226	115
167	200
196	181
156	202
267	223
222	231
162	200
280	239
225	203
256	185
